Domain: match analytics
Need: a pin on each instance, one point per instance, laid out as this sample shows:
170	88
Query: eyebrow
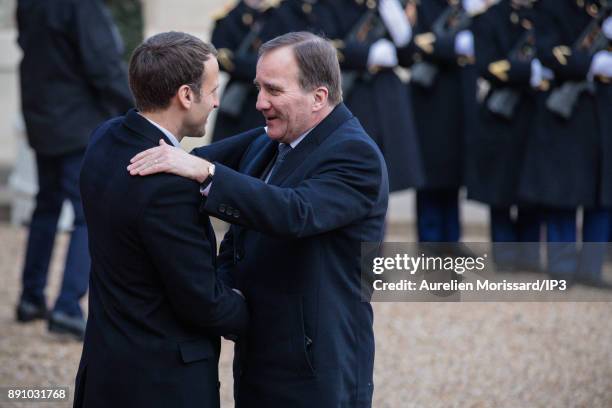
267	85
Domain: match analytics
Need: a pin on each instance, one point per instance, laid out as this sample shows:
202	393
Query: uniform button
222	208
229	211
236	213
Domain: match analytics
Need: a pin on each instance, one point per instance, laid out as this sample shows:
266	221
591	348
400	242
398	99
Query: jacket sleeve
174	237
229	151
344	188
225	259
555	48
100	52
425	44
493	62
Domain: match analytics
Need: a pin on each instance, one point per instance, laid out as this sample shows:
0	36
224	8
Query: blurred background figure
506	59
569	156
367	35
72	78
236	35
441	47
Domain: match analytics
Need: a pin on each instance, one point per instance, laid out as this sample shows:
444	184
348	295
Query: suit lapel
264	153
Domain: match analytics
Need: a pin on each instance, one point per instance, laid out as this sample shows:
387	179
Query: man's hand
169	159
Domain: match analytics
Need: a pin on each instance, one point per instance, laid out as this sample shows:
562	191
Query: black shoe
61	323
595	283
28	311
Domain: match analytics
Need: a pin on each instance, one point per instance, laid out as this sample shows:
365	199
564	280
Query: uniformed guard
369	33
236	35
569	158
506	59
442	45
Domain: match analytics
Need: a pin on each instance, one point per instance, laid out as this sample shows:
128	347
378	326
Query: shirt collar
298	140
165	131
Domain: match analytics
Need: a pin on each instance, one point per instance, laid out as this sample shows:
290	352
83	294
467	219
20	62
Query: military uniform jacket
229	33
439	110
568	162
72	74
495	151
378	99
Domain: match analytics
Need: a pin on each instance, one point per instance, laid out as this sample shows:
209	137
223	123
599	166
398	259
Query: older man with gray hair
310	189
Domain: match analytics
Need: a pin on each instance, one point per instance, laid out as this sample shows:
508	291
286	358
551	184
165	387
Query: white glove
382	54
396	21
464	43
536	73
601	64
606	27
547	74
473	6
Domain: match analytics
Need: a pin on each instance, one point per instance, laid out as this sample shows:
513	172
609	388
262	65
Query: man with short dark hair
156	307
314	188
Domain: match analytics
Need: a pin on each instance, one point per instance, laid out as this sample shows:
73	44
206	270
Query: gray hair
317	61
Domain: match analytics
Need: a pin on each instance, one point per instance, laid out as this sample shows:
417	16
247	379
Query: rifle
368	29
562	101
503	102
452	20
236	93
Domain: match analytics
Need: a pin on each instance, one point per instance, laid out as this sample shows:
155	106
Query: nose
262	102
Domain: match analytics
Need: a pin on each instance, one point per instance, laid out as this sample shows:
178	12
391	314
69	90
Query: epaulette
268	4
223	11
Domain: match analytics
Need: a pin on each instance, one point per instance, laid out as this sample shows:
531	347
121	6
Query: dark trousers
564	259
58	179
516	238
438	215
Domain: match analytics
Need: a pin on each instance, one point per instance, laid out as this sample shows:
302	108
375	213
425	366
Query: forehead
278	65
211	71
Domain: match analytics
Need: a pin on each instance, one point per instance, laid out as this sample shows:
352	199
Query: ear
321	94
185	96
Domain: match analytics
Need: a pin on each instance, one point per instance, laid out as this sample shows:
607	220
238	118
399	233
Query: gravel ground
428	354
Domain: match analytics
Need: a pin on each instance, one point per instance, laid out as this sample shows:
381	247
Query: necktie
283	150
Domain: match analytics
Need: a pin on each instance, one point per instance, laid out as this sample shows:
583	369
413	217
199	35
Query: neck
322	114
166	120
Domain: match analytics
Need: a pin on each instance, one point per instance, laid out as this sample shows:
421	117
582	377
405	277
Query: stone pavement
428	354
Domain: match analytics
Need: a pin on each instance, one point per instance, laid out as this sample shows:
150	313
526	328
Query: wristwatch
209	179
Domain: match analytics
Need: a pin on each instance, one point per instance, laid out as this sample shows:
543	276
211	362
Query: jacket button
222	208
236	213
229	211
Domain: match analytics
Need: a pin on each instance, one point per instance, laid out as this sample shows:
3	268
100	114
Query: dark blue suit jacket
156	307
295	252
